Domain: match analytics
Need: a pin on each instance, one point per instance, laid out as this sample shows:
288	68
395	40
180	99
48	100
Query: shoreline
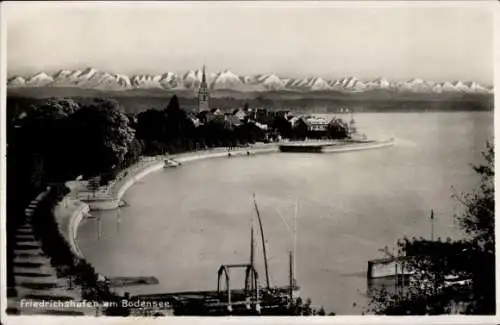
72	209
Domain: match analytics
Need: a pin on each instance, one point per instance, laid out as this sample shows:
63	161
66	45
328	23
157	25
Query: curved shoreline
69	213
71	210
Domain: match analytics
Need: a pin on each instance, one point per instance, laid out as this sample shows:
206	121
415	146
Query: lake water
182	223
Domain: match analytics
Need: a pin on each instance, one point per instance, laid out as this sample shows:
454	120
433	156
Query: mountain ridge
90	78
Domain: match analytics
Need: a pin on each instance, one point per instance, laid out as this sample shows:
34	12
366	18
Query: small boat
171	163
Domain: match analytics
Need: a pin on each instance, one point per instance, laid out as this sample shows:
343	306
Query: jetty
334	146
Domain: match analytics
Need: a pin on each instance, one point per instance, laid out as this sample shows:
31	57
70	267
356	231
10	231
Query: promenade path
36	280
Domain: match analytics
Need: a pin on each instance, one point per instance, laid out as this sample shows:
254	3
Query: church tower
203	93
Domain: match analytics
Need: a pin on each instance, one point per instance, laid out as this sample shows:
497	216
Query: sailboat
252	299
292	289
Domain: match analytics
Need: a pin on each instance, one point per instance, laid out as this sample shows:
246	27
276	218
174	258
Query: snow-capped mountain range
91	78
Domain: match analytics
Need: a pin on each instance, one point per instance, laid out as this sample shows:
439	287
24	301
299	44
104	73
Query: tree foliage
337	129
451	276
478	220
282	126
55	140
299	130
100	130
171	131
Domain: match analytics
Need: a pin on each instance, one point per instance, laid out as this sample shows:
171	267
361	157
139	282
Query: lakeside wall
69	213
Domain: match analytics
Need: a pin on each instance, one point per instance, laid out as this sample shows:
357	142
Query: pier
334	146
273	301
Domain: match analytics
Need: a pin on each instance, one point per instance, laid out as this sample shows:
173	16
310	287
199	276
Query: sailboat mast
252	261
291	275
295	232
263	241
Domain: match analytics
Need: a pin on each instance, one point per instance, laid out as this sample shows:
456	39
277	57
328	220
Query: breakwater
334	146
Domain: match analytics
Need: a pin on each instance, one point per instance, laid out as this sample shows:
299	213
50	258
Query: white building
316	124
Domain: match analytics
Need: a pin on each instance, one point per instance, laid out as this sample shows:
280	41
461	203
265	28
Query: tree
282	126
436	262
102	135
300	130
337	129
478	218
43	131
248	133
150	125
214	133
178	125
135	149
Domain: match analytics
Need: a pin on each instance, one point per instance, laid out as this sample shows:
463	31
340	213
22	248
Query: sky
299	39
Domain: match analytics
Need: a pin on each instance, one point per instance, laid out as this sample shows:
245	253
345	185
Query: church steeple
203	97
203	77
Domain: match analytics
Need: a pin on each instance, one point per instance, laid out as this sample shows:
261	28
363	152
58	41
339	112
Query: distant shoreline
316	103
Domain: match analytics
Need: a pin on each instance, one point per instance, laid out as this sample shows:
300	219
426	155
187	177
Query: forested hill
319	102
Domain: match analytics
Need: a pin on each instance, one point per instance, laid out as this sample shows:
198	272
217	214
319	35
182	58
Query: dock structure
274	301
334	146
252	299
308	146
392	273
387	267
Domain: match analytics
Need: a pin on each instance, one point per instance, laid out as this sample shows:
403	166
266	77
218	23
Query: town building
233	119
284	113
240	113
215	114
316	124
264	116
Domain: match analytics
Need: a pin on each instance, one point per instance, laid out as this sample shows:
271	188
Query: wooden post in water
118	219
99	227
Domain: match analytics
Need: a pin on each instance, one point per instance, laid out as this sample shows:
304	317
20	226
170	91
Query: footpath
36	281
